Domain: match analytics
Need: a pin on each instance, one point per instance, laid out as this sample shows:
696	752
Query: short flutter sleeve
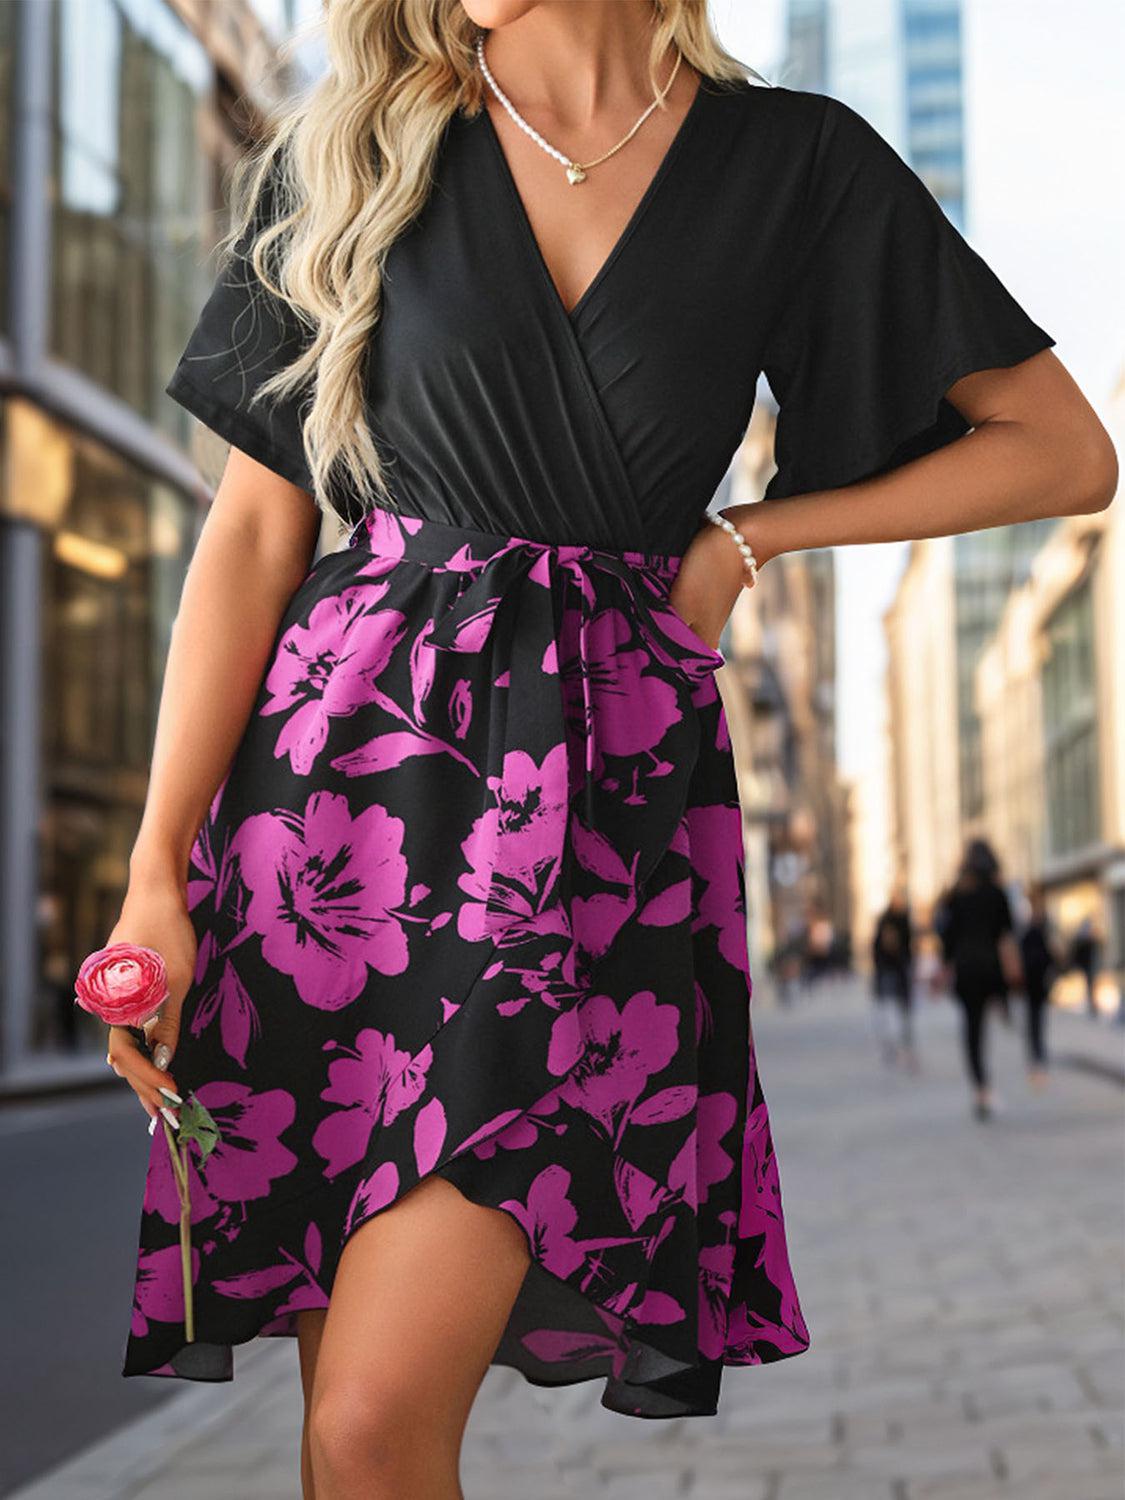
885	306
243	335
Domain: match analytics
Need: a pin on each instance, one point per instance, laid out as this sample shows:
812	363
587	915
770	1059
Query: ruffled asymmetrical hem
469	901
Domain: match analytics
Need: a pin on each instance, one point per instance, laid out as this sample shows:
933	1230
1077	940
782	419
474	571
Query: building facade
922	703
118	121
899	63
1050	693
779	690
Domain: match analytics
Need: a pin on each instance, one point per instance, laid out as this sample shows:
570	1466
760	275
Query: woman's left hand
710	579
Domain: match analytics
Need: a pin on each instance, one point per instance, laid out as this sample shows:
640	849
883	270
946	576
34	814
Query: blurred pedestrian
819	947
893	962
1040	959
978	943
1084	951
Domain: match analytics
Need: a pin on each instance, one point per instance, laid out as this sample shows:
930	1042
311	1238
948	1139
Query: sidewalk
962	1284
1079	1041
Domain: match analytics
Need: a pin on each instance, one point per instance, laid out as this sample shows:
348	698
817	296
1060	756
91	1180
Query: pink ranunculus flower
123	985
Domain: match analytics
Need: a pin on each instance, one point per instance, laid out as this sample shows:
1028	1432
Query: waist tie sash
587	777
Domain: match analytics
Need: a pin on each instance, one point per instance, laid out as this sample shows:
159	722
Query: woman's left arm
1036	449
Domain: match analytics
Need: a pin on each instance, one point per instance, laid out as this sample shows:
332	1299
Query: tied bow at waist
591	680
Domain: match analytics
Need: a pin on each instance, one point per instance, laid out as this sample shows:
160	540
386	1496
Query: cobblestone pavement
962	1283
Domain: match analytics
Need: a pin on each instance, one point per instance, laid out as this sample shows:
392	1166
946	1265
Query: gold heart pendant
575	174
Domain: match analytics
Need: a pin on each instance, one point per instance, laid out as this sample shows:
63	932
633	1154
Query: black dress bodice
780	233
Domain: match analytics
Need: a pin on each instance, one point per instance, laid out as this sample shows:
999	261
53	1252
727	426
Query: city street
962	1284
398	601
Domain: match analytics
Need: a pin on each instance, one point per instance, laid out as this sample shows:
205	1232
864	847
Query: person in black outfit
975	927
1084	957
892	959
1040	960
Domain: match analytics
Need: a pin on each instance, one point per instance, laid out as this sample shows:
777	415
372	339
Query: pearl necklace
575	171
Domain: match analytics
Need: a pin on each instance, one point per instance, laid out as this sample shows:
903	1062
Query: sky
1045	117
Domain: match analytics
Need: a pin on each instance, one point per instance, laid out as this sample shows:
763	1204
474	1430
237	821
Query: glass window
132	176
7	44
1070	725
115	550
281	18
277	16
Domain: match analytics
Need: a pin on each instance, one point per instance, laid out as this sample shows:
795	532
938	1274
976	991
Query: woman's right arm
255	548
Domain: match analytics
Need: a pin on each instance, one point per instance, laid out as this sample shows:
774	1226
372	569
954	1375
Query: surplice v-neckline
672	150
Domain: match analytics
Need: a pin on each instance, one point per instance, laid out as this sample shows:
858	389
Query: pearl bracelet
749	561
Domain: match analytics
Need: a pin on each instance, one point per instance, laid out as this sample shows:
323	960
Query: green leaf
197	1124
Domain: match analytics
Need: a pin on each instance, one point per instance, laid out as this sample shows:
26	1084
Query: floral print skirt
470	900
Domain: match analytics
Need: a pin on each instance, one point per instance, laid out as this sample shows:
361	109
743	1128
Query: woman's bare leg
420	1300
310	1331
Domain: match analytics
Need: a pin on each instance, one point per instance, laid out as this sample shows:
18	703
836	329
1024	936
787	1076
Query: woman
442	843
892	958
1040	962
979	946
1084	949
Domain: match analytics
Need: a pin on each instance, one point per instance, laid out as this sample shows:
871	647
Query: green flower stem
180	1171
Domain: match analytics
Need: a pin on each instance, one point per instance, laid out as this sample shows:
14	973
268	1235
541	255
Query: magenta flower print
761	1212
702	1161
548	1216
324	889
260	1284
561	1346
388	535
159	1290
324	669
638	1193
716	1273
429	1135
761	1193
515	848
203	865
213	875
230	1001
627	708
422	668
609	1055
374	1081
716	854
748	1332
523	1131
461	707
248	1158
372	1194
480	917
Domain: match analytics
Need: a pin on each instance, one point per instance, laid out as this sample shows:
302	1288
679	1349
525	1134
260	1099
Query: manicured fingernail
162	1056
152	1126
171	1094
170	1116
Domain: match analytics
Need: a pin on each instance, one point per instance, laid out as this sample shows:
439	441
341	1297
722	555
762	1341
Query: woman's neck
572	64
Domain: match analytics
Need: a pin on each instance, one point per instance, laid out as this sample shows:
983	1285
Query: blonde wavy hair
340	175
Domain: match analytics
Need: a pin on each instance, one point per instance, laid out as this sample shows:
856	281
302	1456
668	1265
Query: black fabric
974	1015
977	917
1035	997
1036	952
891	944
888	306
243	336
779	233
